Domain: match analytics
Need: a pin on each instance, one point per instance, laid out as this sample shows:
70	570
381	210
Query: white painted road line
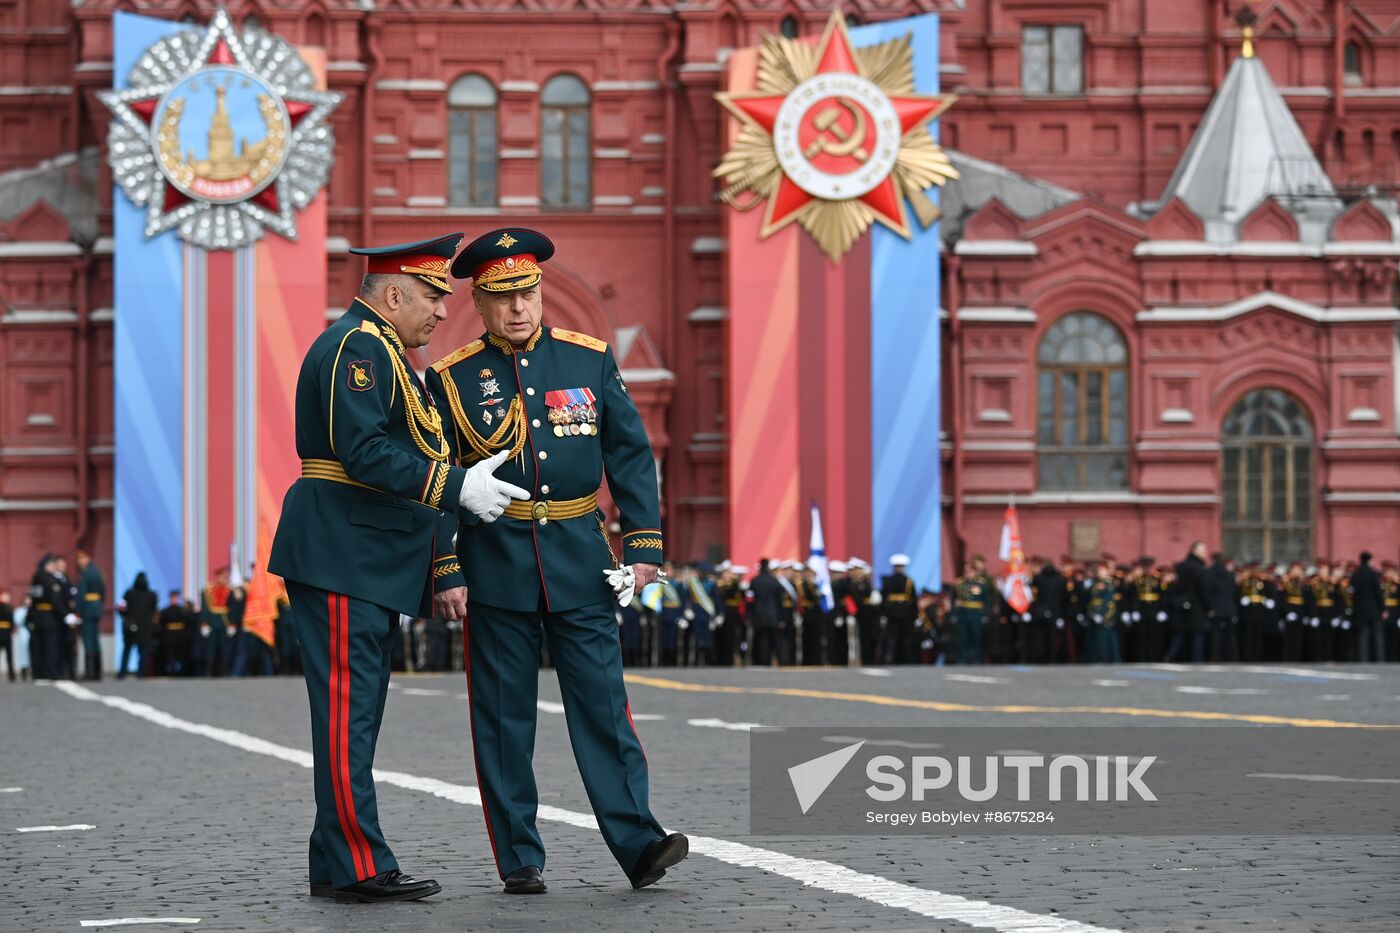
647	717
1326	778
10	790
827	876
1231	691
1335	696
974	679
132	921
1261	669
872	672
548	706
421	692
76	827
1110	683
721	724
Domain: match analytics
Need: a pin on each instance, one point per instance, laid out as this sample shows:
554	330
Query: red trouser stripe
360	853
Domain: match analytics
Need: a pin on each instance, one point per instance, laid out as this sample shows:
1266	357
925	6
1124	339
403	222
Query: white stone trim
1177	248
510	153
347	65
653	139
22	90
425	154
1363	414
337	244
1177	416
995	248
1095	498
607	86
996	315
39	316
1363	496
37	505
614	153
520	200
612	200
520	87
410	84
102	315
705	313
1269	299
386	139
653	191
39	249
708	244
386	192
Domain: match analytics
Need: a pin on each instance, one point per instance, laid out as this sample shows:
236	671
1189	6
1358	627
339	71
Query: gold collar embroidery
508	348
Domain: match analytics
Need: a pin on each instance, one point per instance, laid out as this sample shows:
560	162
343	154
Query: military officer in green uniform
971	599
92	590
356	543
554	402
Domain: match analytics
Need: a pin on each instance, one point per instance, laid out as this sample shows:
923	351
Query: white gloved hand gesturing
485	496
623	581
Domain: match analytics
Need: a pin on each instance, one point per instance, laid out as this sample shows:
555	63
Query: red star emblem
834	133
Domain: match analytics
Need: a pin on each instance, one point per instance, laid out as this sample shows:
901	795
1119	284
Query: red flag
1015	583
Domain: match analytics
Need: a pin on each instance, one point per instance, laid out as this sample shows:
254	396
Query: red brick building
1104	349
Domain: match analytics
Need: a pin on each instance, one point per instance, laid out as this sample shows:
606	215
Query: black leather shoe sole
673	849
322	890
533	886
410	892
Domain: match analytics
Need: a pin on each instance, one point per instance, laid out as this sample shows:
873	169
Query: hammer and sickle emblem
845	144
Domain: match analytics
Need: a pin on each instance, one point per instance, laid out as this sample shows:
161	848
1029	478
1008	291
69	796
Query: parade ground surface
196	798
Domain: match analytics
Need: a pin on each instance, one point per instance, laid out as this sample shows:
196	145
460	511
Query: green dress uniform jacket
490	391
92	590
362	518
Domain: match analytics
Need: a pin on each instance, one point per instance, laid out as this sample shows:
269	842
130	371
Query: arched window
789	28
472	151
1351	63
565	138
1266	455
1082	405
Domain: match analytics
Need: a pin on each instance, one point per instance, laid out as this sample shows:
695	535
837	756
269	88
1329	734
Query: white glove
1025	617
1244	601
485	496
1346	626
623	581
1269	603
72	619
876	598
1161	617
1059	623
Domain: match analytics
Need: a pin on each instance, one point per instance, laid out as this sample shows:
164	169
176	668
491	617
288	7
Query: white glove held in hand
623	581
485	496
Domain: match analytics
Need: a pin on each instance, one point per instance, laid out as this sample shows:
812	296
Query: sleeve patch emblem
361	378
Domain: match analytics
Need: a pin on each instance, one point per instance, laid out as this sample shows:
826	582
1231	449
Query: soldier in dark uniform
1101	640
899	596
356	542
1258	620
1069	629
555	402
1390	610
838	647
174	638
867	601
1047	594
730	633
1149	613
72	622
50	603
1295	616
1324	613
971	598
814	618
138	611
92	590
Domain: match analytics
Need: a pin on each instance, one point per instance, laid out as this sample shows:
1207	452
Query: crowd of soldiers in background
1198	610
1201	609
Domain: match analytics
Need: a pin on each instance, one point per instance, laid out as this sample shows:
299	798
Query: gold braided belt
543	510
329	470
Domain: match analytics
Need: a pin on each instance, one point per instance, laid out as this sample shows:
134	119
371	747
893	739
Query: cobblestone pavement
186	825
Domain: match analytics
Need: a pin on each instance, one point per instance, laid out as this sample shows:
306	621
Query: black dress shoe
386	886
322	890
659	855
527	880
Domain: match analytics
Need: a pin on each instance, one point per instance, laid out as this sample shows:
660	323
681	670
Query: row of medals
574	421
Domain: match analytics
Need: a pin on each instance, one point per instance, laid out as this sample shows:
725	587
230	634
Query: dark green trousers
345	647
503	680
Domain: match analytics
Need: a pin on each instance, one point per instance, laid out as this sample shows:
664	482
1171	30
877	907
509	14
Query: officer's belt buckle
540	512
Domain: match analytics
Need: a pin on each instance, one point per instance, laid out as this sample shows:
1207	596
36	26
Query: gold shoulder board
582	340
457	355
369	327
